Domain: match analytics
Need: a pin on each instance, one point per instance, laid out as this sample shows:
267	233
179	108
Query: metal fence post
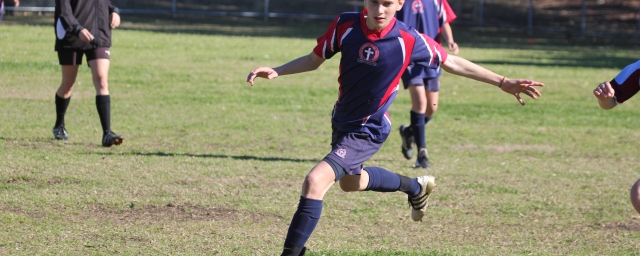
480	12
530	18
583	17
266	10
173	9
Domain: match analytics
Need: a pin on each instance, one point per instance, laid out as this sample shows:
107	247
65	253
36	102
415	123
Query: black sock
103	103
61	109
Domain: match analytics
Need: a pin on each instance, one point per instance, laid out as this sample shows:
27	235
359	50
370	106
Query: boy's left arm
462	67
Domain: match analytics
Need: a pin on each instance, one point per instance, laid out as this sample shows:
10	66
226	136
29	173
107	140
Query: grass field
213	166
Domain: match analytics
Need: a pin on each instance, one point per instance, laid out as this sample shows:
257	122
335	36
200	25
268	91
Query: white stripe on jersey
429	48
387	118
626	72
333	38
439	57
324	50
438	6
404	54
345	34
443	14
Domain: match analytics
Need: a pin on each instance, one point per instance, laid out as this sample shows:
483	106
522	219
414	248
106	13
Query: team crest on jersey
341	152
369	53
417	6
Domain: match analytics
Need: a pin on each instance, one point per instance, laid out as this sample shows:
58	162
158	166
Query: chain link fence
616	18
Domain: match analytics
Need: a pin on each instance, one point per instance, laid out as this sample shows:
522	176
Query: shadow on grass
164	154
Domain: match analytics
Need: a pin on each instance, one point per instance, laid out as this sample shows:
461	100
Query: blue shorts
430	84
351	150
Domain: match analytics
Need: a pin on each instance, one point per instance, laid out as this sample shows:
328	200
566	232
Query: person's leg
412	134
635	196
69	63
431	88
99	62
379	179
418	120
304	221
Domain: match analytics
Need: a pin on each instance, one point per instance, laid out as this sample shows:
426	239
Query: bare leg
431	103
318	181
100	74
418	99
304	221
69	74
351	183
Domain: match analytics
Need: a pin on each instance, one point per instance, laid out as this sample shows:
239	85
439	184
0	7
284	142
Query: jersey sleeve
627	83
327	44
67	20
113	8
428	53
447	12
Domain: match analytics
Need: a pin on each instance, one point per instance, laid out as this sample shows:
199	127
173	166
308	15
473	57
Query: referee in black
83	27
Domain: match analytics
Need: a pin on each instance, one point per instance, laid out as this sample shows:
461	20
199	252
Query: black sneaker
60	133
423	159
294	251
110	138
407	151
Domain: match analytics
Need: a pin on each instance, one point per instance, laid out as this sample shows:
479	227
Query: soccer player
375	50
83	27
428	17
620	89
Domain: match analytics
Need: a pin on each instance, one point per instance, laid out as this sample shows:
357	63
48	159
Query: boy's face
381	12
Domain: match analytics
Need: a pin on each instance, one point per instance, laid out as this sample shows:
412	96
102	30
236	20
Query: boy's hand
264	72
604	91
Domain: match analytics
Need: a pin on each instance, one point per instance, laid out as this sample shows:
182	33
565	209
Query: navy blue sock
427	119
304	222
415	188
417	126
381	180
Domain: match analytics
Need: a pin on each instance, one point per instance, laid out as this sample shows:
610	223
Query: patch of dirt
633	226
154	214
516	147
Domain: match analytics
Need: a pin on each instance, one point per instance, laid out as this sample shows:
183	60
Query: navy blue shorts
351	150
431	84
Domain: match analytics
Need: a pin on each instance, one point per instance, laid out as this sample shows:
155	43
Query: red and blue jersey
627	82
427	17
371	65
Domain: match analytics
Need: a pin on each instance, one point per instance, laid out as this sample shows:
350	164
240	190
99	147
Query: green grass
213	166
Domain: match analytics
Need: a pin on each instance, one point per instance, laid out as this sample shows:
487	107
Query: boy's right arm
303	64
606	96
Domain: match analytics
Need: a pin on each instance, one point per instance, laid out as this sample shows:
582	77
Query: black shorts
74	57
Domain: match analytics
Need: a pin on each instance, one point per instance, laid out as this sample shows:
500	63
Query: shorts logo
369	53
108	52
416	6
341	152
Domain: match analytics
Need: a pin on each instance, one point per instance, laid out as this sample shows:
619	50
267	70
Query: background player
83	27
428	17
375	50
620	89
